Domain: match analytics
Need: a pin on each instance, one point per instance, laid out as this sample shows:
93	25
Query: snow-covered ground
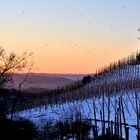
40	115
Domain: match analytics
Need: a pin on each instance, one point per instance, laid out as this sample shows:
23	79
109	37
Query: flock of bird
72	44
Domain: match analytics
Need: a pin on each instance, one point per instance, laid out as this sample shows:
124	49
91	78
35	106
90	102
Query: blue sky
89	29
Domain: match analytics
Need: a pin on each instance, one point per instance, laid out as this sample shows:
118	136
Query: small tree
9	64
87	79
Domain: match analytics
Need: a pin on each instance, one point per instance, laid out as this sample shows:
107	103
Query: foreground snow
40	115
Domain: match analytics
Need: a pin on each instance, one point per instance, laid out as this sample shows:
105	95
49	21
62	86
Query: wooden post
61	130
139	121
137	114
115	125
95	119
127	133
94	133
108	132
109	113
103	115
101	120
120	117
73	132
124	118
111	130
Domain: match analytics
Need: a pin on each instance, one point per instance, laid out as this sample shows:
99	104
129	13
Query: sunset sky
70	36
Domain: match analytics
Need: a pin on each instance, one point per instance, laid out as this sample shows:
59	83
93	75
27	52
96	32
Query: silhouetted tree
9	64
138	57
87	79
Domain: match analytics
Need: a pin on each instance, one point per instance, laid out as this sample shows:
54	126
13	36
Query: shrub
17	130
87	79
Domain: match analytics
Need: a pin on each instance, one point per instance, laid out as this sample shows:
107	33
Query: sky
70	36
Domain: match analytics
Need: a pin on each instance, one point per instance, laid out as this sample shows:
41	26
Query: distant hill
38	81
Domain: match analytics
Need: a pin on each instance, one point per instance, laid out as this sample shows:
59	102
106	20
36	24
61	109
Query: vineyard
111	103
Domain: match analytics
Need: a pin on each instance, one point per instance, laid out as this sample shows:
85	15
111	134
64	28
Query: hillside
127	72
44	81
103	95
111	101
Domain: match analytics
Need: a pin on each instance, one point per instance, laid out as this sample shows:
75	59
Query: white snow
40	115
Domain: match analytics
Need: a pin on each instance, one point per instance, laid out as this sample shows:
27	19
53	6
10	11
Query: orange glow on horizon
70	36
72	57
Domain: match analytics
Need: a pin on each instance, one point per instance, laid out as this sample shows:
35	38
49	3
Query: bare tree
9	65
